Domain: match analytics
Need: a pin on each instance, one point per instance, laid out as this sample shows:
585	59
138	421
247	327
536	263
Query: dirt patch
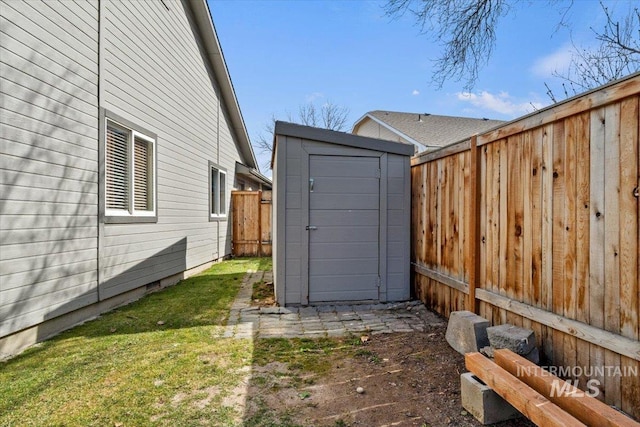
407	379
263	295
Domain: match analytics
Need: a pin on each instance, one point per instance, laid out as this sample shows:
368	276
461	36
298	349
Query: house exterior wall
65	66
49	162
290	171
372	129
155	75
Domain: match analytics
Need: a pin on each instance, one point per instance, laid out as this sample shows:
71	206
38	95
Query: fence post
259	223
474	224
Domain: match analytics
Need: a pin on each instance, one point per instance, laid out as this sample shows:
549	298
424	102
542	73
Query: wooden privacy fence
536	224
251	216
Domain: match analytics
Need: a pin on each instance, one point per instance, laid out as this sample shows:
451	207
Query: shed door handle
311	182
311	227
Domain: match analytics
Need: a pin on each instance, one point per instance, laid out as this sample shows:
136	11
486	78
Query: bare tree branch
466	31
329	116
464	28
617	55
620	36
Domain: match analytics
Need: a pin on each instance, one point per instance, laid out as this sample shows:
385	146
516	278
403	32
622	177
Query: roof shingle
434	130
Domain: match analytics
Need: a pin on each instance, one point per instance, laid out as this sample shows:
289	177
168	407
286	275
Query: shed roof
340	138
429	129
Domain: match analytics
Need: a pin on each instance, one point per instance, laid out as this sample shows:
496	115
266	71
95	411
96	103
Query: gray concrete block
484	403
467	332
487	351
533	356
519	340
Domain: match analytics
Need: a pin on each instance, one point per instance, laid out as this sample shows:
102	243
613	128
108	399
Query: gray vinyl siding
155	75
49	163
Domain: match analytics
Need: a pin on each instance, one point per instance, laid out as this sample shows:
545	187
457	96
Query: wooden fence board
612	244
558	241
514	225
596	233
525	292
536	217
503	227
569	231
479	160
536	228
494	212
582	238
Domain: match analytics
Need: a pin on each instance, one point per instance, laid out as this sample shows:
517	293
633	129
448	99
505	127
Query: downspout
100	222
218	163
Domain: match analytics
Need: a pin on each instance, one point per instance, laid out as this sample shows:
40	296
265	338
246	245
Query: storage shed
341	217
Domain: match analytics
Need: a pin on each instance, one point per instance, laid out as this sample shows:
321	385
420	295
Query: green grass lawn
158	361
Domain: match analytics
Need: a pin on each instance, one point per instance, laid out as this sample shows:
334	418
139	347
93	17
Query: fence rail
536	224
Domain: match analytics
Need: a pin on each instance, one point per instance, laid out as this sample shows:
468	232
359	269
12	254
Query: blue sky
282	54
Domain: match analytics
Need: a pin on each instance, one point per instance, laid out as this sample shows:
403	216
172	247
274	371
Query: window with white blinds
142	175
217	192
117	168
129	172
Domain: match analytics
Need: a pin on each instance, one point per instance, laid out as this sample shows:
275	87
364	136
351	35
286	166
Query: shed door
344	218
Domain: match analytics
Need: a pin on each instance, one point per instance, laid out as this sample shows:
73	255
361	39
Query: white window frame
131	211
214	194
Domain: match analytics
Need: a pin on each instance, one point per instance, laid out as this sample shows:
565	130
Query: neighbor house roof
253	174
203	20
428	130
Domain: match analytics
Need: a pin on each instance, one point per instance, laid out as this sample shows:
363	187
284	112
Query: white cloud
315	95
501	103
415	92
557	61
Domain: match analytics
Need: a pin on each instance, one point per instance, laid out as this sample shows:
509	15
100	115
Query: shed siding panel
48	173
293	222
398	217
156	77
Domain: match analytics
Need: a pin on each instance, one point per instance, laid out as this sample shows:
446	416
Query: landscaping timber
525	399
587	409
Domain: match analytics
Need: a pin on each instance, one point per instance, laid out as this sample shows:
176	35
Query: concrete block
519	340
487	351
533	356
467	332
484	403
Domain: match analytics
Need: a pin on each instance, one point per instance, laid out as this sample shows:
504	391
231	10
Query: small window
129	172
217	192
